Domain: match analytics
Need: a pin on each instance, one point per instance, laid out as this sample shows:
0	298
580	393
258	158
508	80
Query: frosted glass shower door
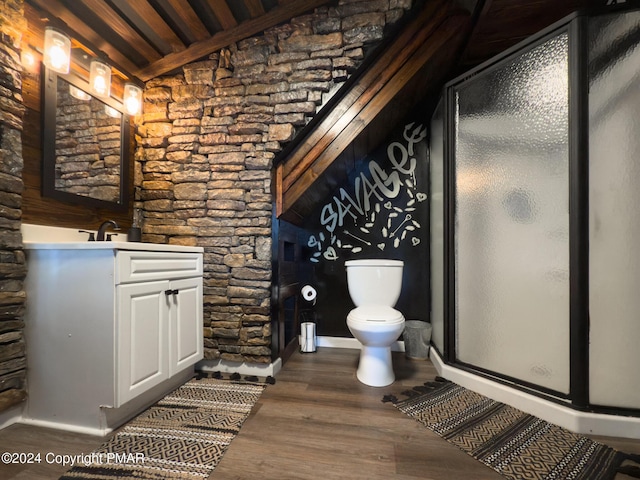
512	217
614	210
436	235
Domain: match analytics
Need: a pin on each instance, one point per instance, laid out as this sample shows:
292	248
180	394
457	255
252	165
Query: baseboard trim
96	432
350	342
11	415
242	368
567	417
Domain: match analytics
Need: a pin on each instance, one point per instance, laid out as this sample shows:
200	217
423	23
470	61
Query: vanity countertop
113	245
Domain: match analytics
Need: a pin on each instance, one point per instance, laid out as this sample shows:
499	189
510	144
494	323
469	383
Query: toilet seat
375	314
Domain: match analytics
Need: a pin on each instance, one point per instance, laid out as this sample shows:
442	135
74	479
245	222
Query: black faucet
103	229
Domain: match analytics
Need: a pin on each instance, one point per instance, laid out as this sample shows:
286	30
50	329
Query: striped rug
183	436
517	445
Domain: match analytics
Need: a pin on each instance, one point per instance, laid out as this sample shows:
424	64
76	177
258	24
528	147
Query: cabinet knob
171	292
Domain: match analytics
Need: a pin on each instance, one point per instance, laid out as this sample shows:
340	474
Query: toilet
374	287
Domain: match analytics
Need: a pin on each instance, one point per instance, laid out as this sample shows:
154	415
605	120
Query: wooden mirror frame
50	97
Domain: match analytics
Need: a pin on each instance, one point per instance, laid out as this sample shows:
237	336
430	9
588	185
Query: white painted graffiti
368	214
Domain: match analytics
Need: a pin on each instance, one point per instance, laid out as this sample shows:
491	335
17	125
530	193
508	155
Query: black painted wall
380	211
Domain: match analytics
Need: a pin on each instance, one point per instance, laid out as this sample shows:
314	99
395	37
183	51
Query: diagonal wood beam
366	88
414	62
223	39
428	53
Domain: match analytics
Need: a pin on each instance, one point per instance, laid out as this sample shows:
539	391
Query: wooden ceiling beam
223	39
503	23
429	53
370	83
156	23
104	12
190	18
223	13
254	7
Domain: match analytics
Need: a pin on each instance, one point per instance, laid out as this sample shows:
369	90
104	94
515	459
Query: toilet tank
375	281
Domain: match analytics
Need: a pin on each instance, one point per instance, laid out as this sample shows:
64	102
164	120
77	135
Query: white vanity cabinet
159	311
110	328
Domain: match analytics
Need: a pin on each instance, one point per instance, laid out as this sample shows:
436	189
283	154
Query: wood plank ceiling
149	38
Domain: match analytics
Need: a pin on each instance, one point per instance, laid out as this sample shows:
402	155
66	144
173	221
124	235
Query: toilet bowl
376	327
374	287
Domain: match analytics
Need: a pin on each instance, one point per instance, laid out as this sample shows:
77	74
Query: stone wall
12	259
206	147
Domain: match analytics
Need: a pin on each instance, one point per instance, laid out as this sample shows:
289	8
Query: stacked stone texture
207	144
12	258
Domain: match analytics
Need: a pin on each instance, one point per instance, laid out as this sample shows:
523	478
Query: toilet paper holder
308	325
309	294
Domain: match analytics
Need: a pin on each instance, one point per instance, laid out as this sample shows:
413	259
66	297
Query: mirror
85	145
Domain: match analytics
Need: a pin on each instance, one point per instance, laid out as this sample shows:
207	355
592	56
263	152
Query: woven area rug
517	445
183	436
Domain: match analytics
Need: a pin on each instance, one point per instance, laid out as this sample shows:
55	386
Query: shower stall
535	216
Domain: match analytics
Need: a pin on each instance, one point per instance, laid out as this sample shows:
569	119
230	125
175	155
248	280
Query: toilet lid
376	313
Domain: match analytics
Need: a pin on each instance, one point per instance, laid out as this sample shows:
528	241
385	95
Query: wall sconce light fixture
132	99
57	50
100	78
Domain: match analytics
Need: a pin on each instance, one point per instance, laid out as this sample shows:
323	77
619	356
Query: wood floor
319	422
316	422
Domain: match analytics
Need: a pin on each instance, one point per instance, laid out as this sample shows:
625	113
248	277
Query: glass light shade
57	50
100	78
79	94
132	99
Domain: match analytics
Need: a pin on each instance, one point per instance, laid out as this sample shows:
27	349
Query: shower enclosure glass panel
614	215
436	178
511	159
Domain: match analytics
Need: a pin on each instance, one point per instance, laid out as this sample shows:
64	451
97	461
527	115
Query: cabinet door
142	360
186	342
